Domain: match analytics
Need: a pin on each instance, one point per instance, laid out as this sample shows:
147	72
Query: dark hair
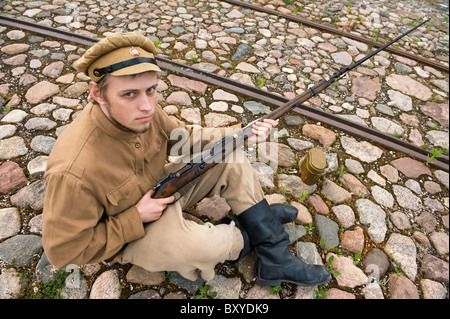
102	84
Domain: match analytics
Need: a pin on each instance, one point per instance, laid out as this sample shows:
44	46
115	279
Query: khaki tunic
95	175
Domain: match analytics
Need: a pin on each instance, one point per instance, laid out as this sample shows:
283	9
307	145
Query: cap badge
134	52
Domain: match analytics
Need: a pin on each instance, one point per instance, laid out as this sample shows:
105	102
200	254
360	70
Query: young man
102	170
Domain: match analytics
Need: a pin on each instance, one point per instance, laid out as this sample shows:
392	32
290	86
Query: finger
260	133
167	200
271	122
255	131
265	127
267	123
261	125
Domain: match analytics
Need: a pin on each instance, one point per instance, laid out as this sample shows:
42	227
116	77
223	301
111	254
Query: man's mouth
144	118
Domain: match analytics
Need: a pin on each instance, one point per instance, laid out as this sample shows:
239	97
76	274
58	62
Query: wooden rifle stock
185	178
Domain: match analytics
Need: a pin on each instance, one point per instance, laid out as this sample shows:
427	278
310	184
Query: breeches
173	243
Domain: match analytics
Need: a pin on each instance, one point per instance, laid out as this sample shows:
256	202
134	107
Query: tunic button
137	145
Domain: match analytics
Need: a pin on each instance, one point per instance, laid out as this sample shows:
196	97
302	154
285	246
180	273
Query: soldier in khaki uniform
102	170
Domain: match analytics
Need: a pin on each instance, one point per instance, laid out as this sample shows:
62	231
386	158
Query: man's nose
145	104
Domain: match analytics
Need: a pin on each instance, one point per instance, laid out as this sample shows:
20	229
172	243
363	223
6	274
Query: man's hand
150	209
262	130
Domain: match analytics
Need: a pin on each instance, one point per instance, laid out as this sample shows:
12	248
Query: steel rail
270	98
349	35
47	31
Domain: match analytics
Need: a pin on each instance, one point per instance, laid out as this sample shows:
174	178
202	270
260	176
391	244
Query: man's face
129	101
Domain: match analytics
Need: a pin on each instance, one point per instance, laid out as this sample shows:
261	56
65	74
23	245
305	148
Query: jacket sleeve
74	228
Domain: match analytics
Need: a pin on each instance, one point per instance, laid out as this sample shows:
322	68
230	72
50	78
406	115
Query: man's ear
95	93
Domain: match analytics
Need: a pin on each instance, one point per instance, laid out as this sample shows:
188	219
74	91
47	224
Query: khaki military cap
119	54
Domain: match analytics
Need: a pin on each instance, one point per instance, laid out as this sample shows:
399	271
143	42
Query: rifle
185	178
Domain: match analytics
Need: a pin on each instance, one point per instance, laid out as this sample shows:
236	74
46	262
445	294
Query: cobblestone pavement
378	219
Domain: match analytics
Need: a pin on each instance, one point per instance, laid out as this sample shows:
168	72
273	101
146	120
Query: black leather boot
271	244
284	212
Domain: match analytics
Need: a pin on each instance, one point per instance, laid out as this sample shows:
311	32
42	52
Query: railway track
335	30
273	99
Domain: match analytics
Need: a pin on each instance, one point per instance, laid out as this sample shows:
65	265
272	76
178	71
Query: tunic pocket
124	196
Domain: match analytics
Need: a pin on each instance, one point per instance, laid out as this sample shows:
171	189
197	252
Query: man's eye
150	90
128	94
